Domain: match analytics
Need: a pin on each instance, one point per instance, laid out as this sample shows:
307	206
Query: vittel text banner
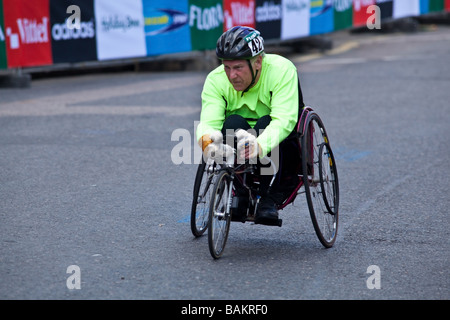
27	33
238	13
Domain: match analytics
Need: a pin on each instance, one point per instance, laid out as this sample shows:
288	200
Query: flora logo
342	5
206	18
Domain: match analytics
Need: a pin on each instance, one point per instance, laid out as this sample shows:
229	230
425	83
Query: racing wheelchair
225	192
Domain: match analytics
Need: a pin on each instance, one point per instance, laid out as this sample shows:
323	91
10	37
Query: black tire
328	178
313	142
219	220
200	201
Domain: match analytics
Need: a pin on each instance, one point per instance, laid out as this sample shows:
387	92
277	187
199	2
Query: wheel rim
219	221
203	198
325	223
328	178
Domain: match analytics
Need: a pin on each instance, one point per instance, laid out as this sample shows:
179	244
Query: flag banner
386	8
238	13
120	29
46	32
436	5
27	33
322	16
166	26
406	8
343	14
296	19
3	60
360	15
268	14
70	42
206	23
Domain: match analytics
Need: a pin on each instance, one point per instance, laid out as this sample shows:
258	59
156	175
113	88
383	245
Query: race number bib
255	43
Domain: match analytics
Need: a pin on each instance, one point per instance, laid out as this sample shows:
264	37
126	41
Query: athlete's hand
216	150
247	145
207	139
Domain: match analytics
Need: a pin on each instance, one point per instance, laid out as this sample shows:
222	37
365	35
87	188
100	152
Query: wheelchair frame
318	177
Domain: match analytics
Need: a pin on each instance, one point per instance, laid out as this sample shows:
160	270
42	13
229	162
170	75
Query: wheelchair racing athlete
251	90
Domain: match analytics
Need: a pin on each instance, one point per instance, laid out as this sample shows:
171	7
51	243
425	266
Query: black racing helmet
239	43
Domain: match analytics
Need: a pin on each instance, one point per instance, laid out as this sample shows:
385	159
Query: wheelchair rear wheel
328	178
219	215
320	180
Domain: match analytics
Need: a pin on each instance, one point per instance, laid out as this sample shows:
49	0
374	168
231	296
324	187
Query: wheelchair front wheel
219	217
201	197
320	180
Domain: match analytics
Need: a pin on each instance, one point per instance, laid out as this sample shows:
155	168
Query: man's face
239	73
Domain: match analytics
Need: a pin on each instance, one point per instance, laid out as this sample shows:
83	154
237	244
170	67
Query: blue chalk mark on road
350	155
185	219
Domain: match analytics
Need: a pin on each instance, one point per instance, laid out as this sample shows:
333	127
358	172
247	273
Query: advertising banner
238	13
386	8
38	32
120	29
268	14
166	26
3	63
72	43
436	5
206	23
27	33
322	16
424	6
343	14
296	19
406	8
360	14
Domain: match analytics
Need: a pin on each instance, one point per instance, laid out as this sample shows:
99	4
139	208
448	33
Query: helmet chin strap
254	75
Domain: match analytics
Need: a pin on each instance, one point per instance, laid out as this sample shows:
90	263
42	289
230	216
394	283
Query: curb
15	81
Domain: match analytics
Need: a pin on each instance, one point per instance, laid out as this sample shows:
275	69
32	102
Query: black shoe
267	212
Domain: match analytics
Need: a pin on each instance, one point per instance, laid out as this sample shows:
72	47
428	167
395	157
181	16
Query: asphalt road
88	178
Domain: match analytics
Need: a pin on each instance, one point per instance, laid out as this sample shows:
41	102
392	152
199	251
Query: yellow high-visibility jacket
276	94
